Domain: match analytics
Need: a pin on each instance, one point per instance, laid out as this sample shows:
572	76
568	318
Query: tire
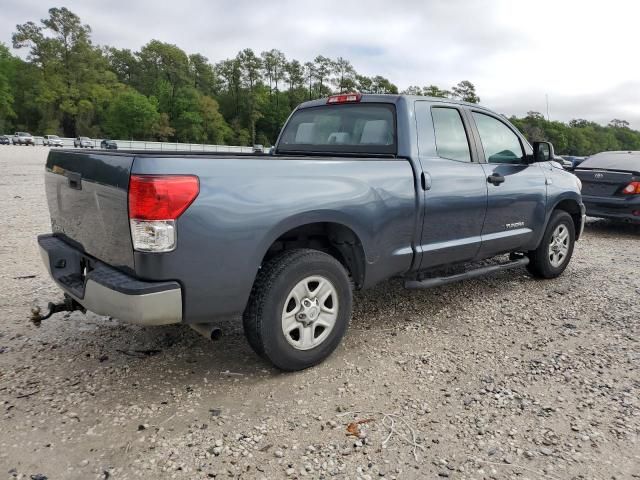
295	277
554	253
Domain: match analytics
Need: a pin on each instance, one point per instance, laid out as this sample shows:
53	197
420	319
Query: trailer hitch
67	305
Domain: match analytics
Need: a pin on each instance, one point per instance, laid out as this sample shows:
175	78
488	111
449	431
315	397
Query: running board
478	272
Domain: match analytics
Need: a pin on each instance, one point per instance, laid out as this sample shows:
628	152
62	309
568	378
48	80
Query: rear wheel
299	309
553	254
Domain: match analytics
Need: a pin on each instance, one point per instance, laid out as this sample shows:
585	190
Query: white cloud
583	54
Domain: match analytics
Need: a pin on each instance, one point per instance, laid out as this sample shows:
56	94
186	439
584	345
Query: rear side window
499	142
451	138
351	128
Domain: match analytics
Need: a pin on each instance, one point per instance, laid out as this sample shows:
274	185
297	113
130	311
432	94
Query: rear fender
306	218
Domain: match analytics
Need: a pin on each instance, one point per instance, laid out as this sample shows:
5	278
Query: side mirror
543	151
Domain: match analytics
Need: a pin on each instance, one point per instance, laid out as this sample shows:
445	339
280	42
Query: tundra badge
514	225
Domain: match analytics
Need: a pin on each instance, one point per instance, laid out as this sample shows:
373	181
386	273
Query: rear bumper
616	208
106	291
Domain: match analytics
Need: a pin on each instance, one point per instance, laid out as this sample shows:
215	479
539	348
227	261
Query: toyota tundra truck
358	189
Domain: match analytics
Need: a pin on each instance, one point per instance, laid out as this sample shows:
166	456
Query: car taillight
155	202
632	189
344	98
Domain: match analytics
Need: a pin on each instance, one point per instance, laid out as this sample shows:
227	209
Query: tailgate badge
598	175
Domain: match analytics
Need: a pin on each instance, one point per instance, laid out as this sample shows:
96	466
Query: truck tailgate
87	197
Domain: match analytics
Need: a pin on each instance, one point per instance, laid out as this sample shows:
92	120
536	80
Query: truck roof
388	98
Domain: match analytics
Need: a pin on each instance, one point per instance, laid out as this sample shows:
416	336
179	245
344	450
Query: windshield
84	138
349	128
53	137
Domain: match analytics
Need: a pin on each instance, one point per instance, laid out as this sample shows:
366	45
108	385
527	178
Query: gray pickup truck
358	189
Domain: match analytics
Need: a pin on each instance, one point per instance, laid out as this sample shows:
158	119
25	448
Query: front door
455	188
517	191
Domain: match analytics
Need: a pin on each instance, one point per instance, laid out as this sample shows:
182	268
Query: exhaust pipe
207	330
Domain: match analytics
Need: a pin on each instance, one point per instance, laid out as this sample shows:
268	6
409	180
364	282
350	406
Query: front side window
350	128
499	142
451	137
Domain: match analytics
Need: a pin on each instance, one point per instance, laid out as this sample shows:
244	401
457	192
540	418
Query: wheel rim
310	312
559	246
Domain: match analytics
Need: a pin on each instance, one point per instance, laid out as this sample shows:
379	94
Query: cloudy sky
583	54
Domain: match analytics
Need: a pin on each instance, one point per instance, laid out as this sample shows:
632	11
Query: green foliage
7	73
430	91
131	115
70	87
579	137
466	92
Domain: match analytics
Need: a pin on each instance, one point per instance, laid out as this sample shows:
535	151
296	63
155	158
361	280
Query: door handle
75	180
495	178
425	180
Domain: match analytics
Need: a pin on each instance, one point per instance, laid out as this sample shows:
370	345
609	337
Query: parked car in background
575	161
258	148
23	138
611	185
52	141
5	140
83	142
108	144
563	162
360	188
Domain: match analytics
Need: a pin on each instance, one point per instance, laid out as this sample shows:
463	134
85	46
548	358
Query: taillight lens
632	189
155	202
161	197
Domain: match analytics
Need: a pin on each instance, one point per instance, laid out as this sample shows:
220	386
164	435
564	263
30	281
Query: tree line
69	86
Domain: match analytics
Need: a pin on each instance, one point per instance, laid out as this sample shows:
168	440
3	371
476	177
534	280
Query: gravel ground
501	377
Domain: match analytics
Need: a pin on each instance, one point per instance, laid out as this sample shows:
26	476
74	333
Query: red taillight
161	197
632	189
344	98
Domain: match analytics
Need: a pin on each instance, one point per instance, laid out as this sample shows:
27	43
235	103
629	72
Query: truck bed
246	202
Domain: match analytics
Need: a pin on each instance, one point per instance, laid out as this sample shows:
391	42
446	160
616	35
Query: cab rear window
349	128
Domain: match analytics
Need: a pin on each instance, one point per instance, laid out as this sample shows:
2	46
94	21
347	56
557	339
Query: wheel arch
327	233
571	205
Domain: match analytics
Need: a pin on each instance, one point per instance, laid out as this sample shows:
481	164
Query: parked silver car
83	142
23	138
52	141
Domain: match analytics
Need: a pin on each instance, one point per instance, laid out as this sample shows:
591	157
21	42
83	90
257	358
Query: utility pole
547	97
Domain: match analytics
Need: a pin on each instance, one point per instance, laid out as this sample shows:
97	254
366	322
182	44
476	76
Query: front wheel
299	309
553	254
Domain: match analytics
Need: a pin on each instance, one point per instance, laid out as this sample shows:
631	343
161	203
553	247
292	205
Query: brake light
344	98
632	189
155	202
161	197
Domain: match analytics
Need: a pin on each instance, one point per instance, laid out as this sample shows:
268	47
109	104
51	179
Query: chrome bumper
107	291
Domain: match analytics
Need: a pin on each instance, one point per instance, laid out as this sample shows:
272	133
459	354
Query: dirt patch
501	377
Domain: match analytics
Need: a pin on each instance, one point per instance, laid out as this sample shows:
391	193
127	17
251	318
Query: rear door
88	203
454	186
517	192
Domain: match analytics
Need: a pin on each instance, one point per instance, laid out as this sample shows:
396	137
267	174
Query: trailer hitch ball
67	305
